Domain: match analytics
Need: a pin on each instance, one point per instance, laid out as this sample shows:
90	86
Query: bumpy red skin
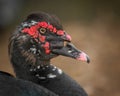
33	32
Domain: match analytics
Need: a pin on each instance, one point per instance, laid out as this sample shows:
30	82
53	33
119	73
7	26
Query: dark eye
42	30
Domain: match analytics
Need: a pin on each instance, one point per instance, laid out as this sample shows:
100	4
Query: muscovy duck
38	39
10	86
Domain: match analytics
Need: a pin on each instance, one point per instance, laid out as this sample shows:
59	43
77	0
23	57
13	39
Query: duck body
63	85
11	86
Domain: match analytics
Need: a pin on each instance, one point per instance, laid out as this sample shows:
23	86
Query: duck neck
42	70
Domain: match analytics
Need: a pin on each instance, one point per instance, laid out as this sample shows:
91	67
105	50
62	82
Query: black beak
69	50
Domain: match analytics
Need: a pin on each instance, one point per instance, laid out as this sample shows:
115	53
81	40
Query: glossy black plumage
11	86
63	85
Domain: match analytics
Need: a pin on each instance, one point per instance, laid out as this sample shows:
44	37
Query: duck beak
70	50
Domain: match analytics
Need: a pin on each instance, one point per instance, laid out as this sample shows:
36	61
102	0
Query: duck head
41	37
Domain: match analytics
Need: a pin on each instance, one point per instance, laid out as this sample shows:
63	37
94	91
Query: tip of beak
88	59
83	57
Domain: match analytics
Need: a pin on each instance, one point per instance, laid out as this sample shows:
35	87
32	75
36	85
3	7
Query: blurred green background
95	28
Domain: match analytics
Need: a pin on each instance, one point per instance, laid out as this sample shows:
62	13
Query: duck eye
42	30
